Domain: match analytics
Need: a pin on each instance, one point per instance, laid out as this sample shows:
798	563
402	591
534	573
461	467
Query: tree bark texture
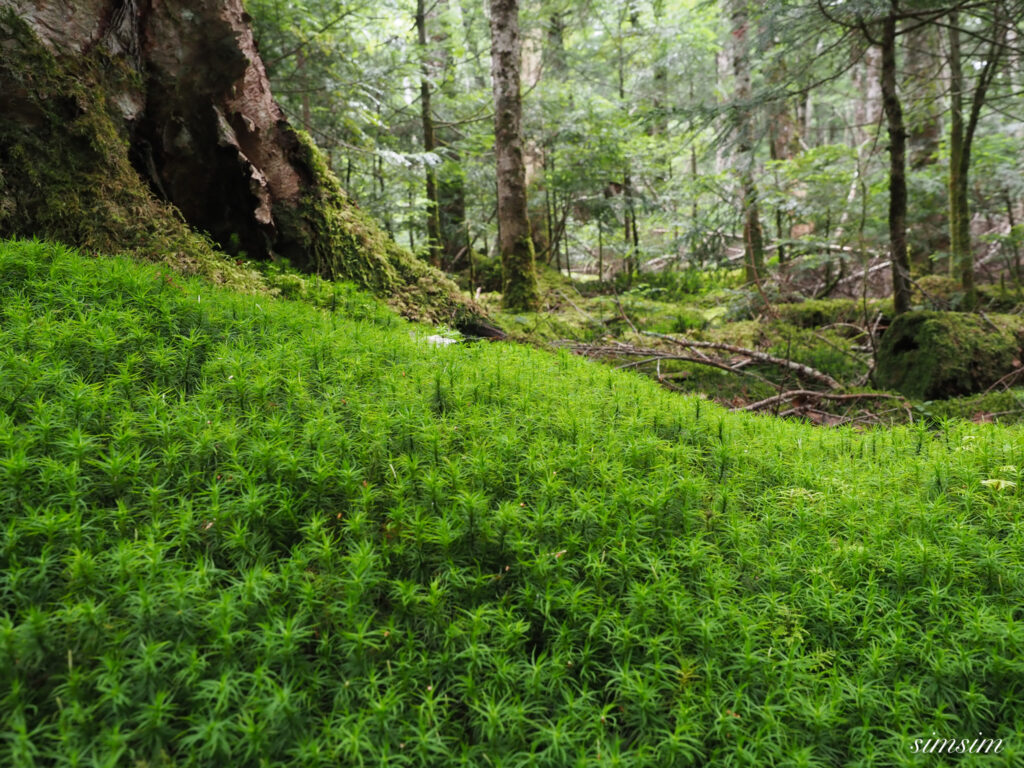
517	257
897	169
178	88
753	236
427	72
961	140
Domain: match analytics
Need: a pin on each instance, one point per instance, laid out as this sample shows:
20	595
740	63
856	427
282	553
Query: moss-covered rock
935	355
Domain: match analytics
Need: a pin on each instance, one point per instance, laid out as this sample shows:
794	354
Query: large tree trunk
922	81
177	87
518	274
923	85
867	101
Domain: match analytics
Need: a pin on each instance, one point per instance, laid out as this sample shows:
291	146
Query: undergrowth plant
248	531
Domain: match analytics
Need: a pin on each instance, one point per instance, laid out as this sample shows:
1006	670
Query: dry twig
810	394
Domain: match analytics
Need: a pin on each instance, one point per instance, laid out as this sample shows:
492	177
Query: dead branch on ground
761	357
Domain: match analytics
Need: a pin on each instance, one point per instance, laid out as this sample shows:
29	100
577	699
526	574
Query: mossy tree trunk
897	168
126	120
961	139
517	258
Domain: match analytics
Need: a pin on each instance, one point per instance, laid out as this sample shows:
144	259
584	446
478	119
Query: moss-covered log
150	127
935	355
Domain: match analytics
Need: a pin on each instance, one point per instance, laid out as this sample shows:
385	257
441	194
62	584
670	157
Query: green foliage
679	285
338	240
248	531
1005	406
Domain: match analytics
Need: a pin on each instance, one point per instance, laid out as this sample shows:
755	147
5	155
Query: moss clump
814	313
937	292
64	168
934	355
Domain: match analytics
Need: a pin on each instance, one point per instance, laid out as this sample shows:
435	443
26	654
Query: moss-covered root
328	234
935	355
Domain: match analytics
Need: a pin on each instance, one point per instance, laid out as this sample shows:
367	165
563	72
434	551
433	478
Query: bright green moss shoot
239	531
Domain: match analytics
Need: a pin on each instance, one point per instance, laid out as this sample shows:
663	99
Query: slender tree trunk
958	221
783	144
451	180
897	169
753	237
1010	217
533	65
631	236
518	273
434	242
961	139
629	229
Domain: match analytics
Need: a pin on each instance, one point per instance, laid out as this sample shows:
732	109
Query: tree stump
936	355
150	127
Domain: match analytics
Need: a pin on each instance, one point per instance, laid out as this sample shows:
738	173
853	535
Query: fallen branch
1005	380
653	355
810	394
586	316
865	273
753	354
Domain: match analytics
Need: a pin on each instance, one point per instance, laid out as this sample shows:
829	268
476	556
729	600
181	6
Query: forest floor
647	327
250	530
